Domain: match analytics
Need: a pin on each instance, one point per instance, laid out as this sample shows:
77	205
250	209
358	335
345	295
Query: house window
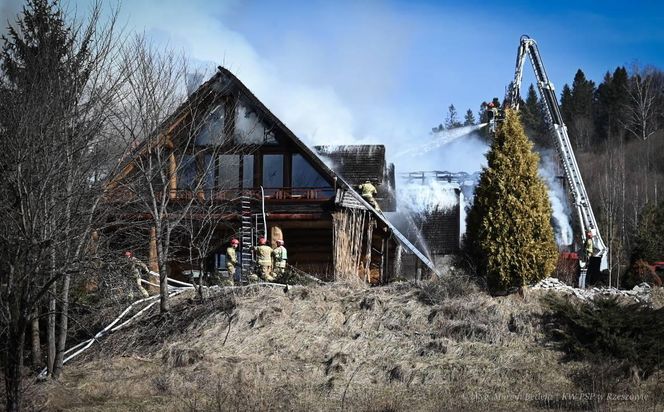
187	172
305	176
273	171
247	171
229	172
208	171
212	129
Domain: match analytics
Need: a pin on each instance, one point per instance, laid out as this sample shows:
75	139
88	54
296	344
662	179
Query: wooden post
172	170
367	256
275	234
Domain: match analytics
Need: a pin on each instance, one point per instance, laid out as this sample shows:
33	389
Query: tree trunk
62	337
36	340
162	251
12	360
51	328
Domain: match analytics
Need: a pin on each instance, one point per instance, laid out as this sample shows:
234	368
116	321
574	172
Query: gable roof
229	81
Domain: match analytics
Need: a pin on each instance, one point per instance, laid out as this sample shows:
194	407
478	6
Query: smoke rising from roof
558	198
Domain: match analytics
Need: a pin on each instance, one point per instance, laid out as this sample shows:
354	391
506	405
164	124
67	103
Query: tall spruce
452	119
509	234
532	116
469	118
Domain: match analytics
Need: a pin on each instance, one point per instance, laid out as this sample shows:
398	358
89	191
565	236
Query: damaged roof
356	163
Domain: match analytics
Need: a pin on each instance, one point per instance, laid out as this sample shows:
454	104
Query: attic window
212	129
250	128
304	174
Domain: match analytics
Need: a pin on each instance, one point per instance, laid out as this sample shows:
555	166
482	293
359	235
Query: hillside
332	347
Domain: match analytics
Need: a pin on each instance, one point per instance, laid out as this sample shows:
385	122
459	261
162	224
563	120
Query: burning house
231	169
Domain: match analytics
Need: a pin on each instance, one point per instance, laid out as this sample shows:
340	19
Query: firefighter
588	247
137	266
231	257
368	193
264	257
280	255
492	116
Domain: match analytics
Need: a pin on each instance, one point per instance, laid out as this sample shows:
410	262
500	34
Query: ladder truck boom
580	200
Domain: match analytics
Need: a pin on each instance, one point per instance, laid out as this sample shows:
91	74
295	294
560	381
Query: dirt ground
335	347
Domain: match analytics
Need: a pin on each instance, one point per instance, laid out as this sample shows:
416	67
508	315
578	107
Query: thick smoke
558	198
428	197
456	150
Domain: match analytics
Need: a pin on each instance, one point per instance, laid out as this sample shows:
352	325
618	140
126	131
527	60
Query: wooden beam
173	177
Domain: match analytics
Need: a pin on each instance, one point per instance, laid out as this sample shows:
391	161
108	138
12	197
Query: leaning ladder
246	238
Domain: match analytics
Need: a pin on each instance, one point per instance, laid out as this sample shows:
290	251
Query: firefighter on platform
492	116
231	257
138	266
280	255
264	258
368	193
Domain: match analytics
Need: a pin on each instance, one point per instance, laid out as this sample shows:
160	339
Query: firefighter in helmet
280	255
231	257
264	257
137	268
368	193
588	247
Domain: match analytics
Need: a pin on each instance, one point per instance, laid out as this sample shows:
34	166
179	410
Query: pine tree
452	119
532	116
649	239
566	103
469	118
509	233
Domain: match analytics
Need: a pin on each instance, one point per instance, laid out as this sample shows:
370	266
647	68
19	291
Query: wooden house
224	147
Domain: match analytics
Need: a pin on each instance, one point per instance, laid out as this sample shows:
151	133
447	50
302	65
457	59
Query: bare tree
57	86
168	176
642	108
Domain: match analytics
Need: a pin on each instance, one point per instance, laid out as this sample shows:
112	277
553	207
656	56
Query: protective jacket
231	256
368	190
264	255
280	256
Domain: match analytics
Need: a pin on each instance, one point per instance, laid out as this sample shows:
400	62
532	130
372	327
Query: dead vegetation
402	347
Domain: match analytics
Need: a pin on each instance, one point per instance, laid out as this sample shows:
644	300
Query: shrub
509	233
640	272
604	330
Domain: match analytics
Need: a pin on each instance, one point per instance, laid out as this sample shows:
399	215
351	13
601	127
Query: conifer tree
509	233
469	118
452	120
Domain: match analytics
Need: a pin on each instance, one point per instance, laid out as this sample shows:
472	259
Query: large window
208	164
229	172
247	171
212	129
273	170
304	175
187	172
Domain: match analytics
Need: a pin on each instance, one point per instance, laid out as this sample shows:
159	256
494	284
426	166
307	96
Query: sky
385	71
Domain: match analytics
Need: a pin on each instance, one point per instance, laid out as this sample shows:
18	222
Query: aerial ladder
579	197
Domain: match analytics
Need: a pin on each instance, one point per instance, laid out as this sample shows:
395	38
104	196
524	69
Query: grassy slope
400	347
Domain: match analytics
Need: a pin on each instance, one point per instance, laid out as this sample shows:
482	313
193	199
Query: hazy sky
385	71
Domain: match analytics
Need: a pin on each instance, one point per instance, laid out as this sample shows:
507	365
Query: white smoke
558	198
428	197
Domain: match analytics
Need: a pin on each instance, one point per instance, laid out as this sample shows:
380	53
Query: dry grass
401	347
